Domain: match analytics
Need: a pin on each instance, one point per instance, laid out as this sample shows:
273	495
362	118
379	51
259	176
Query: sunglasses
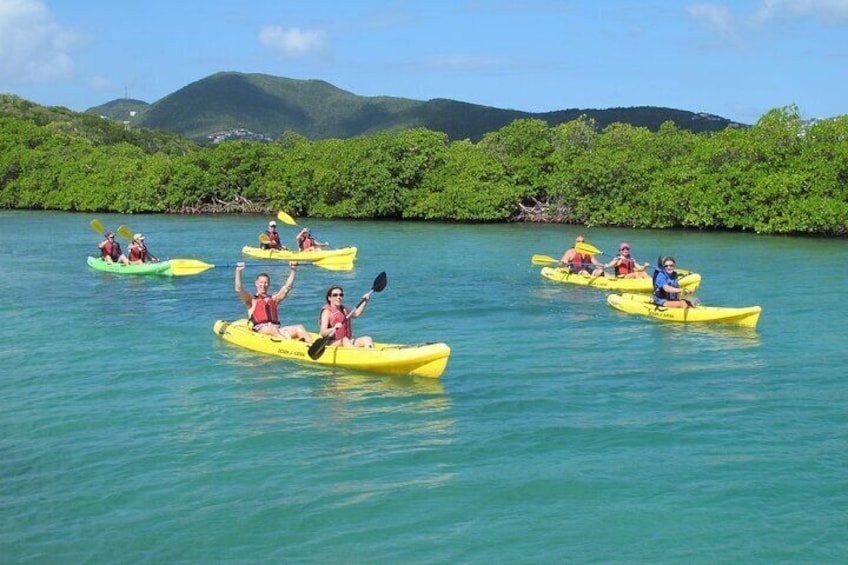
337	294
669	265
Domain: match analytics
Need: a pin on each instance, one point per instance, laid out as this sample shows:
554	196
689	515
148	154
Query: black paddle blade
318	346
380	282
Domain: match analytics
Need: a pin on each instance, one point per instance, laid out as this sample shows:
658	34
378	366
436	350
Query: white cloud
33	47
831	11
293	42
714	17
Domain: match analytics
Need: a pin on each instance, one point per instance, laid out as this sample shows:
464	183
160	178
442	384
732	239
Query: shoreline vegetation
778	176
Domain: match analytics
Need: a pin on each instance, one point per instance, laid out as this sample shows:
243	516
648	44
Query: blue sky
736	59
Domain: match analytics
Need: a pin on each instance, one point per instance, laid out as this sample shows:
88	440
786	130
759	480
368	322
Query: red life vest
138	253
307	242
273	240
625	266
337	316
264	311
580	261
111	249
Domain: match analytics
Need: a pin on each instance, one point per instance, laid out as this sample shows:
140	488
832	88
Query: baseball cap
272	223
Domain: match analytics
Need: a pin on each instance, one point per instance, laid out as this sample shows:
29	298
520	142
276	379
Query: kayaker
335	317
262	307
625	266
110	250
305	241
581	263
667	290
139	253
273	237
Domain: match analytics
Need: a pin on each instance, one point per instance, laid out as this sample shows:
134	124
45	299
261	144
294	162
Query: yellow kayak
690	280
343	255
641	304
426	360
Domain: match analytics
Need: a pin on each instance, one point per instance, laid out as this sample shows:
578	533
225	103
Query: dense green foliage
269	106
775	177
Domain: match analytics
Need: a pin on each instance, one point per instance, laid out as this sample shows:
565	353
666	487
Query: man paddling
273	241
262	307
110	250
581	263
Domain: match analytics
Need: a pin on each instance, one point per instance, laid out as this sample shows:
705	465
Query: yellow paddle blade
125	232
285	218
337	265
97	226
263	237
543	260
185	267
584	247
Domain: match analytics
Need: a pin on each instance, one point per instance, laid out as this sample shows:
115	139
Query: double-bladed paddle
186	267
126	232
97	225
319	345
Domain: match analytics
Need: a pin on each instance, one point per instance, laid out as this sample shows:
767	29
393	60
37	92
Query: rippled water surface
561	431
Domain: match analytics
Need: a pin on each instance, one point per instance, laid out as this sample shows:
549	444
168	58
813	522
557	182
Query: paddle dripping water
561	427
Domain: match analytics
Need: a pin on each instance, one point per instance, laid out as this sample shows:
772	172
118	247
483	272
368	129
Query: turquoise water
561	431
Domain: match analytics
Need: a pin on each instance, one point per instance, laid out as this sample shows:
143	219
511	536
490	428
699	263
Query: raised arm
361	308
287	286
243	295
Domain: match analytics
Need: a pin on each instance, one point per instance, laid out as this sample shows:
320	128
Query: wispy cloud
294	42
713	17
828	11
33	47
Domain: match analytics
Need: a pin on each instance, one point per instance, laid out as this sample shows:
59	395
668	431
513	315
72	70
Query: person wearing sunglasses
139	254
110	250
335	319
305	241
581	263
625	266
262	308
667	290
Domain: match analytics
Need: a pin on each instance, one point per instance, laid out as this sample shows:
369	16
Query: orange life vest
111	249
138	253
625	266
264	311
339	316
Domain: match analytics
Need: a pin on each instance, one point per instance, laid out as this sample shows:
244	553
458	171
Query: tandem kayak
342	255
426	360
163	268
689	280
641	304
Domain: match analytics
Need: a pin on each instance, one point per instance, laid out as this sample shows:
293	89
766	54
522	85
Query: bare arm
325	329
243	295
287	286
566	257
361	308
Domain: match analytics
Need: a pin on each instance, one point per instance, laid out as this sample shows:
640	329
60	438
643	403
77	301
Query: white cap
272	223
138	236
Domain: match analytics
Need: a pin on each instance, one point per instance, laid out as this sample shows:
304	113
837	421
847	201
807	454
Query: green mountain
264	107
121	110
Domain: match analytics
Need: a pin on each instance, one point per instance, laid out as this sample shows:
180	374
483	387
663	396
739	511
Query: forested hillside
775	177
268	106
